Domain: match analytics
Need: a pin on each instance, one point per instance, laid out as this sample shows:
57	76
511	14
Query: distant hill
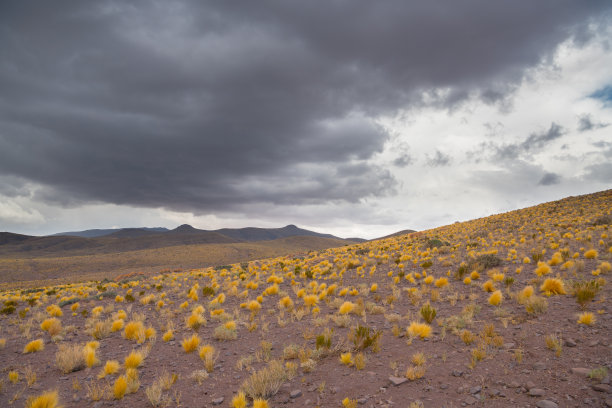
267	234
94	233
136	239
395	234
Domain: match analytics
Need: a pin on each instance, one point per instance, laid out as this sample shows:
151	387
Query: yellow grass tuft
168	335
346	308
587	318
441	282
346	358
590	254
553	286
239	400
134	330
117	325
488	286
90	357
134	359
417	329
496	298
311	300
47	400
286	302
542	269
260	403
191	344
111	367
34	346
120	387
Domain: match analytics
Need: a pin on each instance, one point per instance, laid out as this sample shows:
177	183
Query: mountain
136	239
267	234
95	233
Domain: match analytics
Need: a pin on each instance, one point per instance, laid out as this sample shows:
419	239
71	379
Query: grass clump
585	291
421	330
428	313
191	344
363	337
34	346
70	358
586	318
226	331
49	399
267	381
134	359
553	286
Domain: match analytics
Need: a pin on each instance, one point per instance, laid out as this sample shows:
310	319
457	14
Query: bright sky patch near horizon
353	118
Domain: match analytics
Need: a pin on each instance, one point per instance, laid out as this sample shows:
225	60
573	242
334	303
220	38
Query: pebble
470	400
457	373
570	342
537	392
601	387
476	389
514	384
295	393
546	404
539	366
581	371
397	380
529	385
218	401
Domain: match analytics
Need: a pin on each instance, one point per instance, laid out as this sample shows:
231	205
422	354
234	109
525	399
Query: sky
355	118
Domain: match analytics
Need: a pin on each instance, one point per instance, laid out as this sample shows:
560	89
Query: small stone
601	387
529	385
443	386
457	373
362	401
295	393
475	390
514	384
333	389
608	402
570	342
581	371
397	380
218	401
470	400
546	404
594	343
508	346
539	366
536	392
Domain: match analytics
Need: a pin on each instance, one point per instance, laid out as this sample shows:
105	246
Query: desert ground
511	310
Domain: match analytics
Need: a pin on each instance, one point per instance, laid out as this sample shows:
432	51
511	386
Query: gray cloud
548	179
439	159
511	151
601	172
585	123
203	106
404	160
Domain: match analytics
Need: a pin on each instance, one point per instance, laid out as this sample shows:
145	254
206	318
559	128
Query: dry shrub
70	357
267	381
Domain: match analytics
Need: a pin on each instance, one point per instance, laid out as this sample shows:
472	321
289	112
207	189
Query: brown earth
517	370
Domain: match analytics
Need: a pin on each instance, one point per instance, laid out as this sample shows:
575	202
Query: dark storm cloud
548	179
199	106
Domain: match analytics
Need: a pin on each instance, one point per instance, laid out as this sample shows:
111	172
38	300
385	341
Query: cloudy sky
358	118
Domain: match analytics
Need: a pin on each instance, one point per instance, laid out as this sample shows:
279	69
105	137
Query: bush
267	381
428	313
70	358
487	261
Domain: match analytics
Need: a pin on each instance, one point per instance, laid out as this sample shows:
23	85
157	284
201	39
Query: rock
546	404
536	392
570	342
397	380
362	401
601	387
443	386
457	373
513	384
333	390
475	390
508	346
218	401
608	402
539	366
470	400
581	371
529	385
295	393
